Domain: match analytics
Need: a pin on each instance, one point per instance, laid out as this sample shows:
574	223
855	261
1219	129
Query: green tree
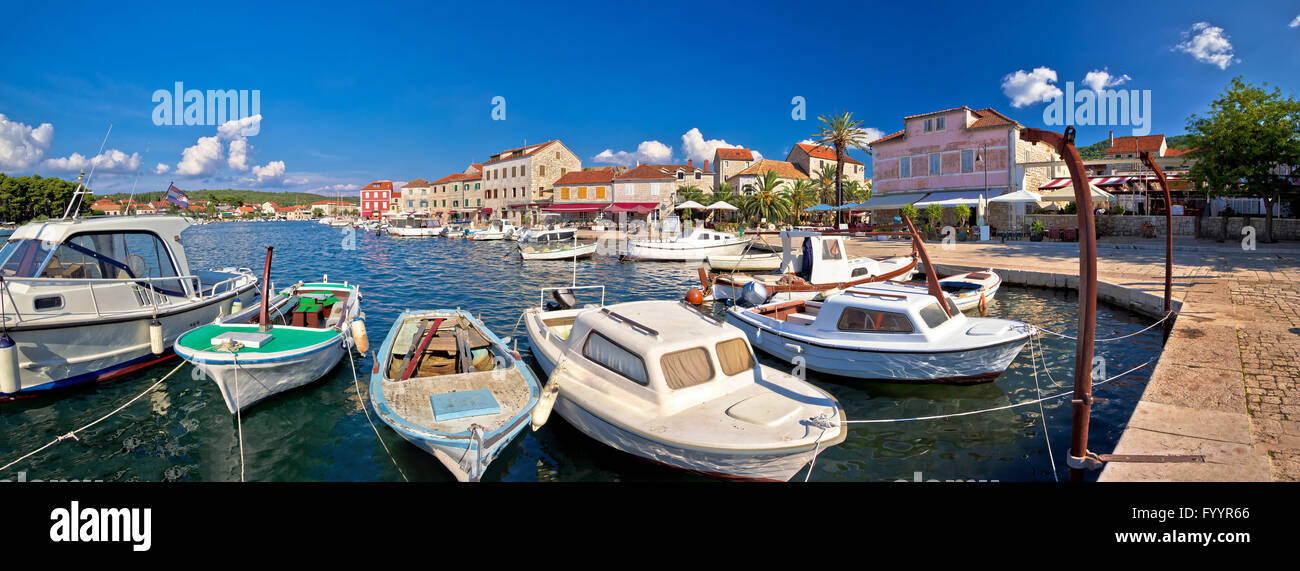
769	200
933	215
842	133
824	178
803	194
909	211
1245	144
961	212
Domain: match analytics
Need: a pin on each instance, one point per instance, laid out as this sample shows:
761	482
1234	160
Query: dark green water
182	431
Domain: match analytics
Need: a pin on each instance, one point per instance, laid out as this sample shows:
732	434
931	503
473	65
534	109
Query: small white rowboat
972	289
745	263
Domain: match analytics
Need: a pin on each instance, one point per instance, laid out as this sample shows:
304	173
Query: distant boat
559	244
697	245
249	362
91	299
745	263
414	225
822	264
448	385
497	230
886	332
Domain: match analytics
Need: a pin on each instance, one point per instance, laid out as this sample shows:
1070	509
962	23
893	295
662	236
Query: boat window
831	250
952	307
857	319
686	368
734	356
600	350
933	315
23	258
123	255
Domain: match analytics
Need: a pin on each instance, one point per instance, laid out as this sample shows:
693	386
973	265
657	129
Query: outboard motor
564	299
754	293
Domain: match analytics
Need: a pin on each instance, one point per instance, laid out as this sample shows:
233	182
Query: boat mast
263	317
83	186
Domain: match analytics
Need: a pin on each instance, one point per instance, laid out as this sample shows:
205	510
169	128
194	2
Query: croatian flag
175	196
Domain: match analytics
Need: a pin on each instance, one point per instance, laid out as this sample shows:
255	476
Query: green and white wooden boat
251	357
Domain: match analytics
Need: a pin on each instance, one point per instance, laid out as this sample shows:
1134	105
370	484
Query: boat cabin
662	357
886	311
823	259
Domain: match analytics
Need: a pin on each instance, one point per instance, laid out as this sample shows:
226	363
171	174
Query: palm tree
825	180
802	195
769	200
692	193
842	133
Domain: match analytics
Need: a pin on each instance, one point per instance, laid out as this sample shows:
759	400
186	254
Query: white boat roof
167	227
673	326
884	295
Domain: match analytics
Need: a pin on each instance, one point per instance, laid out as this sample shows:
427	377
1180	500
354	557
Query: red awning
485	211
576	207
634	207
1095	181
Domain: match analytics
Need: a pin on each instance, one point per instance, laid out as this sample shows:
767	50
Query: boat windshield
24	258
115	255
933	315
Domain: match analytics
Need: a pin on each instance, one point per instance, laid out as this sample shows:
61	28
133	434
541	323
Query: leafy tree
933	215
824	178
31	197
842	133
909	211
803	194
1247	145
961	212
769	200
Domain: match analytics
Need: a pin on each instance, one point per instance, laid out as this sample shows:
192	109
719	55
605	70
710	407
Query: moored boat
92	299
451	387
665	382
255	359
693	246
821	264
756	262
559	244
885	331
497	230
972	290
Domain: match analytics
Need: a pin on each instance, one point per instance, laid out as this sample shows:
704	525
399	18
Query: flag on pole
175	196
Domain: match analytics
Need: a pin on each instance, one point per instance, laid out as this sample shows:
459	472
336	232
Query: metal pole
1083	352
1169	235
263	317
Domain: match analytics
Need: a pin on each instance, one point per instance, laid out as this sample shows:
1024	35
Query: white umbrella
1066	194
1019	196
721	205
690	204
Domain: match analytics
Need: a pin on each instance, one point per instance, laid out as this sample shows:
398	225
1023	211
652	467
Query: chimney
690	162
706	165
1112	138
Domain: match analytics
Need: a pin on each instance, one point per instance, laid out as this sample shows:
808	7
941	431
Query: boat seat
800	318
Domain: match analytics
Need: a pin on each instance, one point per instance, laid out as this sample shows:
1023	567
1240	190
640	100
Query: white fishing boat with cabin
821	264
414	224
558	244
91	299
972	290
451	387
665	382
693	246
887	332
497	229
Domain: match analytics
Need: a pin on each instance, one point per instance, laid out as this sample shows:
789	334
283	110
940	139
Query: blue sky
352	93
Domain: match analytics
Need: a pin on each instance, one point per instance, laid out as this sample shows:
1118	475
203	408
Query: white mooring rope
1107	339
362	401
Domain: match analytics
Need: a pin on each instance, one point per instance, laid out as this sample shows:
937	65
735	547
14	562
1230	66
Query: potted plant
1036	231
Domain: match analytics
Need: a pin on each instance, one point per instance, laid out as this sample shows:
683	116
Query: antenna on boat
263	317
130	200
83	186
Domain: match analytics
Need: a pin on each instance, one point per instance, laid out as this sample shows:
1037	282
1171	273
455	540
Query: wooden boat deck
410	398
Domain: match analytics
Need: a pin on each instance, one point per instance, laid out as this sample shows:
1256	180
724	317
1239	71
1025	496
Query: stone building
746	181
811	158
515	180
728	162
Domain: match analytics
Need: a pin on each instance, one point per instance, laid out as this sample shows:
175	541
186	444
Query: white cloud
1208	44
238	159
1099	79
202	159
162	168
22	146
1294	23
697	148
873	133
110	161
1030	88
646	152
271	172
235	128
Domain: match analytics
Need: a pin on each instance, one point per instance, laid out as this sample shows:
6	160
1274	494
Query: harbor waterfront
182	430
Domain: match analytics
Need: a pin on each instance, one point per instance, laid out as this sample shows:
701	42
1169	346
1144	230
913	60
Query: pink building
953	157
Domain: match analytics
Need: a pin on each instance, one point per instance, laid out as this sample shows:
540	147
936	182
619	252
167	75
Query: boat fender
156	337
8	364
542	412
984	305
359	336
694	296
236	306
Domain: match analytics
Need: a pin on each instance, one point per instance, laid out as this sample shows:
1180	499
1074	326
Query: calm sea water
182	431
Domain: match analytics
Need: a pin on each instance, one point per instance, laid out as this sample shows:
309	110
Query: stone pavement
1225	385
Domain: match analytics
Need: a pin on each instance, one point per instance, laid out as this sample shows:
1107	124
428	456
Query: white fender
9	379
542	412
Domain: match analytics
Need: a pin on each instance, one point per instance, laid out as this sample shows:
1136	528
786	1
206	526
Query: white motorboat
665	382
693	246
559	244
972	289
451	387
885	331
250	362
414	225
757	262
497	230
820	265
79	297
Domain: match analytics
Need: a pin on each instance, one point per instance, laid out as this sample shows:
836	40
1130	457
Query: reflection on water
319	432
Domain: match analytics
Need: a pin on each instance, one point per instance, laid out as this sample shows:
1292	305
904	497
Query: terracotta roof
887	138
519	152
936	112
379	185
652	172
586	177
782	168
734	154
417	183
1177	152
448	178
1135	144
987	117
825	153
470	176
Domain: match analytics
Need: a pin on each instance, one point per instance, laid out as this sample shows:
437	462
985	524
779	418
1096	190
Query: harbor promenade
1225	385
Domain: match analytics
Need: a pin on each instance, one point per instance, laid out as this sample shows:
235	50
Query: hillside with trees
236	197
33	197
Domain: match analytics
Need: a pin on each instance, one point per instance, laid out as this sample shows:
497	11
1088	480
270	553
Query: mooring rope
1106	339
356	382
1042	414
73	434
239	416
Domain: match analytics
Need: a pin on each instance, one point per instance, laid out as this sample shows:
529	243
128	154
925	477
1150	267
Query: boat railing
542	298
629	322
153	293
